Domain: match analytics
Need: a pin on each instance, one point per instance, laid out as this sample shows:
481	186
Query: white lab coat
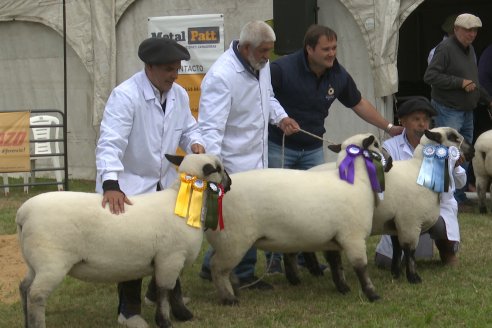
399	149
135	135
235	109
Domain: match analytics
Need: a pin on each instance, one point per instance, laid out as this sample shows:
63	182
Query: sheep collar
190	202
374	166
437	165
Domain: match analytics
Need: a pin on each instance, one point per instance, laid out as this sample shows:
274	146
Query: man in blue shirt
306	83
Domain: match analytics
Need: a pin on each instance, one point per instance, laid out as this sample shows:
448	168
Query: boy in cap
145	117
415	116
453	77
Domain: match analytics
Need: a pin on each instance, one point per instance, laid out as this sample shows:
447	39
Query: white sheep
287	211
70	233
408	209
482	167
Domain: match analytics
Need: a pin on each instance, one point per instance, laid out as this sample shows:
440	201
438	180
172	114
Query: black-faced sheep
70	233
288	211
482	167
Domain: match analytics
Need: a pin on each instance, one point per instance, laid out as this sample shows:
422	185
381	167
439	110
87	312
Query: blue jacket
307	99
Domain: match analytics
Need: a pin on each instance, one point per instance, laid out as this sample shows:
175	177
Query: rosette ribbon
434	172
453	156
215	193
189	201
346	168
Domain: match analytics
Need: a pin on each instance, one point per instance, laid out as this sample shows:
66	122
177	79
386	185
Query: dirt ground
12	268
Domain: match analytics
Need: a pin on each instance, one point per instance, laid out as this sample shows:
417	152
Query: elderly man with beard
415	116
236	106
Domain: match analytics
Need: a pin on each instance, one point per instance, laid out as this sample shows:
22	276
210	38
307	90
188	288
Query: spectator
145	117
306	83
415	116
236	106
453	77
448	29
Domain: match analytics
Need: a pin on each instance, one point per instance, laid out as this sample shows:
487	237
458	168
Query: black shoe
254	283
205	274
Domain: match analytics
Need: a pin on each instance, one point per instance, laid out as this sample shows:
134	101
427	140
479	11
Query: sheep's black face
226	181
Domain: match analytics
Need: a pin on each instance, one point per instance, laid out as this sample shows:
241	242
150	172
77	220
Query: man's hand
116	200
469	85
197	149
395	130
288	126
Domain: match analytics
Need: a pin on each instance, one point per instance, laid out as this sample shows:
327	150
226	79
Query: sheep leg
221	270
481	184
291	269
334	259
162	309
24	289
412	275
42	285
312	264
396	259
178	309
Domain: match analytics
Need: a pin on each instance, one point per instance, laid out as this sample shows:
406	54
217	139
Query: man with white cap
146	117
453	77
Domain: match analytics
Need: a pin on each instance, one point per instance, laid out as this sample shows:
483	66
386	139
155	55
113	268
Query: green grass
447	297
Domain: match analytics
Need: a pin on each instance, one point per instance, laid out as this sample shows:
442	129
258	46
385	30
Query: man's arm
365	110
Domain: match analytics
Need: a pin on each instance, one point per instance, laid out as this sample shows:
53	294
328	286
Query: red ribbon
221	218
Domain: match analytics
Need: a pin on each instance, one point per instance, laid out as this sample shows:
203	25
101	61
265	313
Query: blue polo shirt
307	99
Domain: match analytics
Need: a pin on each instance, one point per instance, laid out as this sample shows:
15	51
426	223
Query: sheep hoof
483	210
343	289
182	313
414	278
230	302
372	296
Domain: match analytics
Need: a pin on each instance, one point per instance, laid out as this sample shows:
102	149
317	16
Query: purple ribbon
371	171
346	168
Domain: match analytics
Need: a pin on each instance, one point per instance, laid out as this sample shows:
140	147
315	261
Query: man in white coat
415	116
146	117
236	106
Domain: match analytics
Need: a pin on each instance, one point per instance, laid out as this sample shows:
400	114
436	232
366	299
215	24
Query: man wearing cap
453	77
415	116
146	117
236	106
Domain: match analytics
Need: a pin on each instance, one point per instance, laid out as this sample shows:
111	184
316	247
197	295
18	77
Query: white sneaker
149	302
135	321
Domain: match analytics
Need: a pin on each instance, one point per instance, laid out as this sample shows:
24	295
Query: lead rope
305	132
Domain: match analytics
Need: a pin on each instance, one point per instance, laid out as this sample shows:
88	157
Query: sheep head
203	166
448	137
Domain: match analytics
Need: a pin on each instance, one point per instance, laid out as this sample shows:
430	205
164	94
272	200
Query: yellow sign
14	142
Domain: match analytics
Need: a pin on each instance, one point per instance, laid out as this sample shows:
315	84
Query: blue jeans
244	270
461	121
293	159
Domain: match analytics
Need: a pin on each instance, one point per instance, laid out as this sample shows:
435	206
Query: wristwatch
388	128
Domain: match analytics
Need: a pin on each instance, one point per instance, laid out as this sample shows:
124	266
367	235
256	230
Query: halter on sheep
268	209
70	233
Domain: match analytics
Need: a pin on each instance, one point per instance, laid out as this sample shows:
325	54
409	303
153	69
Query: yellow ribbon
184	194
190	199
194	218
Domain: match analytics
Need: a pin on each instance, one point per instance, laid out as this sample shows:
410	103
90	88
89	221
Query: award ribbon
425	173
453	156
439	168
346	168
183	199
196	203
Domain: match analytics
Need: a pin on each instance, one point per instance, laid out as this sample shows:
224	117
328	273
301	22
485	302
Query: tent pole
65	121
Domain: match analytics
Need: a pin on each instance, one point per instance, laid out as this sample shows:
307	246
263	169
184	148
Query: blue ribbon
433	170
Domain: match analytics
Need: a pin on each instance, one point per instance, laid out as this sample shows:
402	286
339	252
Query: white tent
103	36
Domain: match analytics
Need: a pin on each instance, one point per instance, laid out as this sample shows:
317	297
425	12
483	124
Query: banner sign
14	142
203	36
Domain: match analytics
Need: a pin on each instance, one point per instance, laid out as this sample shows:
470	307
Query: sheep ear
175	159
335	148
368	141
434	136
208	169
389	164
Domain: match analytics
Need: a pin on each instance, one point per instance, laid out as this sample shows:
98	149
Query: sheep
70	233
287	211
408	209
482	166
